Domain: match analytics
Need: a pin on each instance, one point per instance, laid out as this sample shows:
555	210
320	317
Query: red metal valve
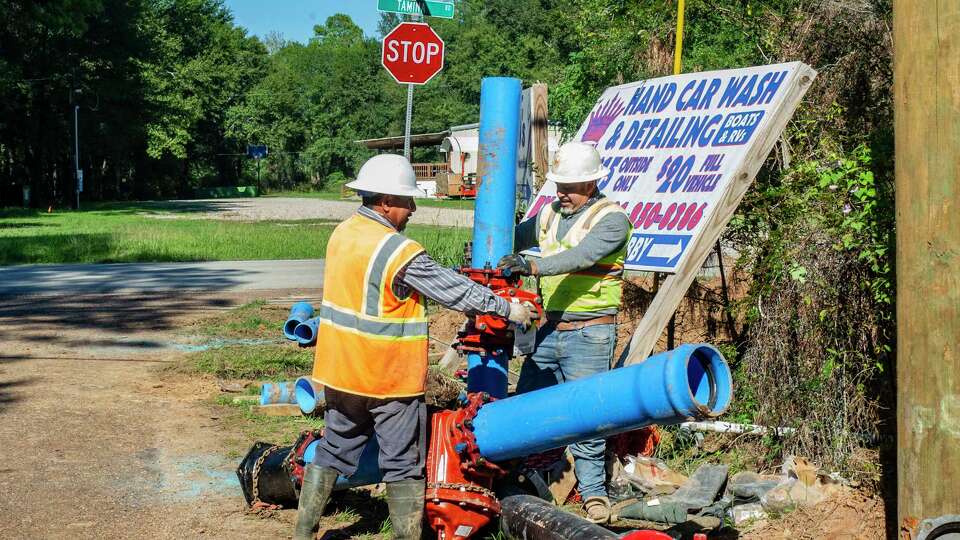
459	498
485	334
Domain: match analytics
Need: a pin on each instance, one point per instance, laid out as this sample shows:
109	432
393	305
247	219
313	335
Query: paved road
220	276
291	208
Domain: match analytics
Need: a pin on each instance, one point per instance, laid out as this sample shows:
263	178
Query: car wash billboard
673	146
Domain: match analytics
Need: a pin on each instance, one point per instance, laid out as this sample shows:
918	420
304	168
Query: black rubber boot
317	485
405	500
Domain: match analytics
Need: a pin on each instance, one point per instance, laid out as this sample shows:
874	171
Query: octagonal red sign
412	53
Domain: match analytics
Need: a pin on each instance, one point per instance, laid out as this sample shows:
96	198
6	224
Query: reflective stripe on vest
592	289
370	342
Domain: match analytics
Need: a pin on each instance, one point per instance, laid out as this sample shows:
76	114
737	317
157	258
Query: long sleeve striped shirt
440	284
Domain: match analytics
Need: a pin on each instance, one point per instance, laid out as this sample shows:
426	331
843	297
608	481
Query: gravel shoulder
294	209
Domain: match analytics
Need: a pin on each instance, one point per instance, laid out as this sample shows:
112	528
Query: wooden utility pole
927	122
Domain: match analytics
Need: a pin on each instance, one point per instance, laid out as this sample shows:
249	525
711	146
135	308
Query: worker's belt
565	326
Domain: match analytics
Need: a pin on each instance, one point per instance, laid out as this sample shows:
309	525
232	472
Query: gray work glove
517	264
521	314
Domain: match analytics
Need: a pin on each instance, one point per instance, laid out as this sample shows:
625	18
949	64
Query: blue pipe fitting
299	312
493	220
689	382
274	393
368	468
308	396
306	332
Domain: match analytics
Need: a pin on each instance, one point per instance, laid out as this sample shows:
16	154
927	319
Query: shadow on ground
131	318
10	391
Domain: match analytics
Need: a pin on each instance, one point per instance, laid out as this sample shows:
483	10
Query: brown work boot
597	509
405	500
318	483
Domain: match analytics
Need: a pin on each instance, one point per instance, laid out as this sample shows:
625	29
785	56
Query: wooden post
927	122
539	135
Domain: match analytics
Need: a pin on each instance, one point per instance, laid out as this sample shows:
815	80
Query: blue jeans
568	356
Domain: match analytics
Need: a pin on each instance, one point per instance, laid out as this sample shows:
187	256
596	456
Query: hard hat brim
563	179
357	185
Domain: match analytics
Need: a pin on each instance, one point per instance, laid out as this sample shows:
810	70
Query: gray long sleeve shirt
441	284
607	235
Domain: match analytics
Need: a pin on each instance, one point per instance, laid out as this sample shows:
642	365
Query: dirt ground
98	440
101	441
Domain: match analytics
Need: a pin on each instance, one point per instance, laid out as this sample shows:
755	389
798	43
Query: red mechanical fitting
484	334
294	463
459	498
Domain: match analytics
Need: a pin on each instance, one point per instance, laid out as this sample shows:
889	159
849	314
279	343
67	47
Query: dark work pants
400	426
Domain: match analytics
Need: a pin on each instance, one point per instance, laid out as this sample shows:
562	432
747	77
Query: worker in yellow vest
582	238
371	354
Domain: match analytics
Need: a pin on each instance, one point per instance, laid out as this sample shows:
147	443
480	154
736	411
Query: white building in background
455	176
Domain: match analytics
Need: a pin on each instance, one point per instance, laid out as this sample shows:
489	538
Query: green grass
256	319
119	232
463	204
263	362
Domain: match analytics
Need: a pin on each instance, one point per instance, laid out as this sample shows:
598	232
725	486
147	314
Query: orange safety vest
370	342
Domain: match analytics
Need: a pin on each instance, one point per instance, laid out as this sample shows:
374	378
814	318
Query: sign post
257	152
412	54
682	152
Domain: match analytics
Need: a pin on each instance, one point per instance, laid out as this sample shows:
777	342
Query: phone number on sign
669	217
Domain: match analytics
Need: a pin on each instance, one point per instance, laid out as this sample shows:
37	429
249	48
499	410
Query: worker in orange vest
371	354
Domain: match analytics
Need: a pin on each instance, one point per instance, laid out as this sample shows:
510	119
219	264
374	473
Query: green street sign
412	7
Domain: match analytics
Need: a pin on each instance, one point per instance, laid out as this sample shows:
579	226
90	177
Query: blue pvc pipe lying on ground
689	382
368	470
493	218
309	396
306	332
273	393
299	312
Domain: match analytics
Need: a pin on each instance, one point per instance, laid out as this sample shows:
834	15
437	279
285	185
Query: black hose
526	517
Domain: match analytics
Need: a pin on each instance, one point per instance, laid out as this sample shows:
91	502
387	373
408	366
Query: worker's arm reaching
605	237
456	292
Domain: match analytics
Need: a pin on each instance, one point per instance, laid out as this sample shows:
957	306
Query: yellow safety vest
599	287
370	342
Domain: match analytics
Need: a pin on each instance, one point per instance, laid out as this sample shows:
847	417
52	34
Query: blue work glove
517	264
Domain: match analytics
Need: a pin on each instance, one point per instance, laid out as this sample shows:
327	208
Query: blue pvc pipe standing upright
493	217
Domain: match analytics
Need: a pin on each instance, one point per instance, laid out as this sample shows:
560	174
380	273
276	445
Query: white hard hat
576	162
388	174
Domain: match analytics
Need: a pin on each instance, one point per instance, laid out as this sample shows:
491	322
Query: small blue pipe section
689	382
299	312
307	396
306	332
368	469
273	393
493	220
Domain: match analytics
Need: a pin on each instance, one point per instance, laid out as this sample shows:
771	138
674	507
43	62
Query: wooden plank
927	122
673	289
539	135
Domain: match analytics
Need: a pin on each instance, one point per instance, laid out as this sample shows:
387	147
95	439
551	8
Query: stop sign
412	53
